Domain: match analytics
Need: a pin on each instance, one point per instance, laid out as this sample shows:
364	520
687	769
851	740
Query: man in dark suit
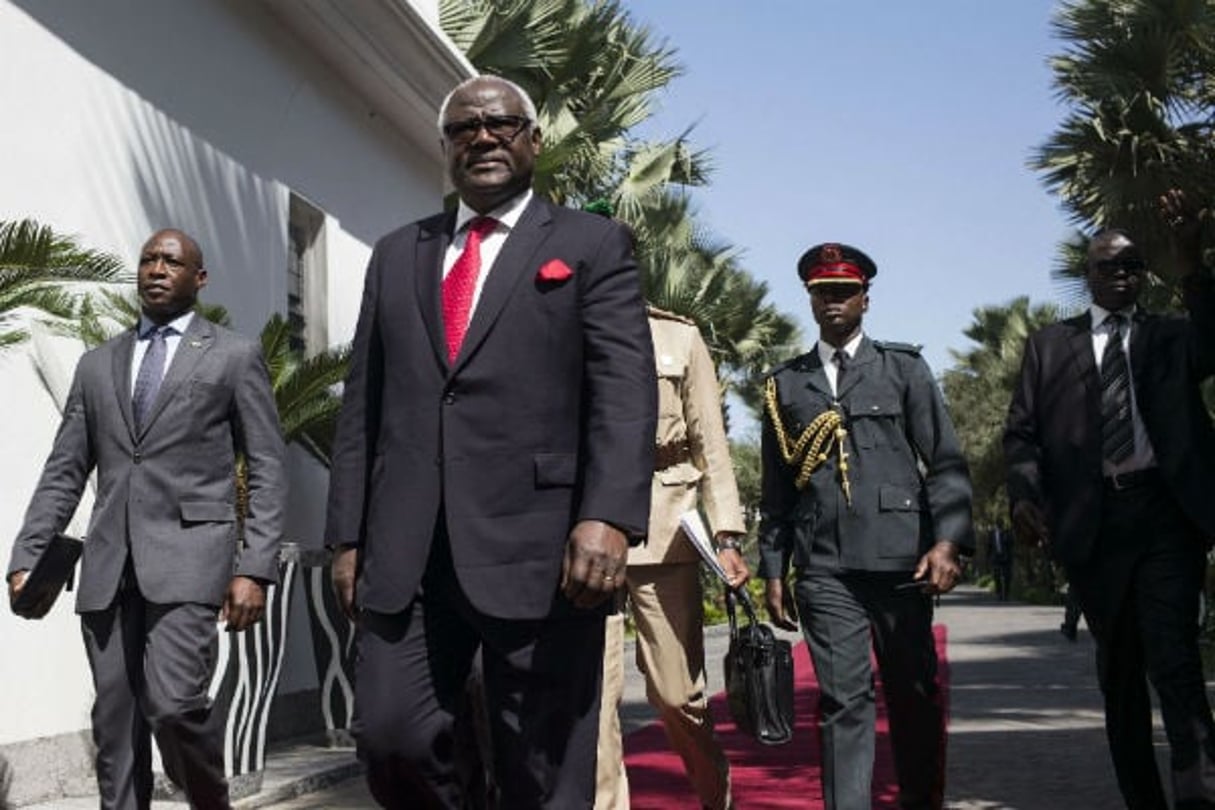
492	463
162	411
866	494
1113	463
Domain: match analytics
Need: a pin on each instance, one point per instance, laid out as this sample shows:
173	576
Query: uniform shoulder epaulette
798	363
662	314
895	346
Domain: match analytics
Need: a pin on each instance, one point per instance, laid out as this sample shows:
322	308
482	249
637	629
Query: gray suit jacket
169	491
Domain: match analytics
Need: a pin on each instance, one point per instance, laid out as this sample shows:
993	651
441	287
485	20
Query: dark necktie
1117	433
461	283
841	363
151	371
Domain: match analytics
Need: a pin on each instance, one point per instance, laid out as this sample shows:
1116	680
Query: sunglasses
502	128
1132	267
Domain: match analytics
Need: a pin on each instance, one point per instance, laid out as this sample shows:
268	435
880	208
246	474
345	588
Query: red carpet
764	778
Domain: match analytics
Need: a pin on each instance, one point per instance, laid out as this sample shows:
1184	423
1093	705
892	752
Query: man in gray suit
162	412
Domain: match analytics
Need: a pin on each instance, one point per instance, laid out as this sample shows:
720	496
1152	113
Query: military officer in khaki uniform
692	461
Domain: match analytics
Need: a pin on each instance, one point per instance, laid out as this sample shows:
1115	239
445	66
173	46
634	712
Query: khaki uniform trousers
667	610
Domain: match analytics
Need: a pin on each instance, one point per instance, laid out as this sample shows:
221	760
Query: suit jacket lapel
198	339
514	263
434	236
1080	348
817	377
1140	351
121	359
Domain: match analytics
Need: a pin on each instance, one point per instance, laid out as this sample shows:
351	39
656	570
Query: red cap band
835	272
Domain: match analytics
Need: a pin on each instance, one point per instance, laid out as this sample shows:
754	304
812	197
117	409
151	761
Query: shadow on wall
6	783
273	105
179	180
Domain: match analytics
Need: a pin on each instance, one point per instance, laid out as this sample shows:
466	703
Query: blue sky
901	128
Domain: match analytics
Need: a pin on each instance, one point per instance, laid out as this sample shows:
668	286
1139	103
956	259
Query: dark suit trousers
542	685
840	613
1140	595
152	665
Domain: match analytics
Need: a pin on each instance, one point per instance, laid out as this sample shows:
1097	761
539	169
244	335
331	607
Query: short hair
1107	235
189	242
529	106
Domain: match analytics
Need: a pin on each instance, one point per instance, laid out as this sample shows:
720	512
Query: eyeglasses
1132	267
502	128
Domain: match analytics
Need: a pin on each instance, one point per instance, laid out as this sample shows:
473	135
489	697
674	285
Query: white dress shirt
826	353
177	328
507	215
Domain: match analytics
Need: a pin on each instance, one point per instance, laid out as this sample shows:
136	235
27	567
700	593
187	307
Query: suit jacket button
449	398
137	457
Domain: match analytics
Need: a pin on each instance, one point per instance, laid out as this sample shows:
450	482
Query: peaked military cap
835	263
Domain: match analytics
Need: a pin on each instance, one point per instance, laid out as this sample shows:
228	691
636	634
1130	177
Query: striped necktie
1117	432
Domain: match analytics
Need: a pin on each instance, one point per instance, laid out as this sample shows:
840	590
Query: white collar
826	352
507	213
178	324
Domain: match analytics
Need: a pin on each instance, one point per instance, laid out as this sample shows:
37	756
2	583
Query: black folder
51	574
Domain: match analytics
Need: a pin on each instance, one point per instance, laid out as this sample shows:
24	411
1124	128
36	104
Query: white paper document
695	529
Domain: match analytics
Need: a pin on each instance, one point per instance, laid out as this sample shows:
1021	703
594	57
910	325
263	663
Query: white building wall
126	116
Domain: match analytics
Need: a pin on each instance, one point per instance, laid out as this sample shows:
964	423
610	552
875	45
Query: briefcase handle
741	596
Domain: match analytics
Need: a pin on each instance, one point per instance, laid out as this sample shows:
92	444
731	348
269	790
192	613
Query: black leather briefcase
52	573
759	676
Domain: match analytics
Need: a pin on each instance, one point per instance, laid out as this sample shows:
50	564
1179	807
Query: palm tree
1136	75
41	270
593	73
979	388
304	387
589	68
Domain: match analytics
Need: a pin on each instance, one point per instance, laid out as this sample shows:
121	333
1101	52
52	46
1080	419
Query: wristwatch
729	542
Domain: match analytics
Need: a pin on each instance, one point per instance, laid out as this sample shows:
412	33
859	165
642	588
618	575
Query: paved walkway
1026	729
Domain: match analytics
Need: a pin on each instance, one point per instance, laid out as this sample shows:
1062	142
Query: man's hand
595	558
1185	228
243	604
1029	523
16	582
729	557
343	571
732	562
939	569
779	602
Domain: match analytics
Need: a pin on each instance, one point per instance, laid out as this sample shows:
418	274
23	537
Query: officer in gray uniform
867	497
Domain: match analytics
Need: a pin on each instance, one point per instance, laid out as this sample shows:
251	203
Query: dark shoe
1068	631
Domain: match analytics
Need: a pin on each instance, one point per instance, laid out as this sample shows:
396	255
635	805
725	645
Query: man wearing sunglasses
491	467
1111	460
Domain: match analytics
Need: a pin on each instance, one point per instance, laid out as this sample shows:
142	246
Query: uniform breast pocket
899	511
871	416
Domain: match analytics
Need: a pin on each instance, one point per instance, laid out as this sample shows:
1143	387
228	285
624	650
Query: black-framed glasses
1132	267
502	128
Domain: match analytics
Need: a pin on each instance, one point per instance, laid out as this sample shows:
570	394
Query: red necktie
461	283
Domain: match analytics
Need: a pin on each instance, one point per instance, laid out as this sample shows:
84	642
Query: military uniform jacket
689	410
909	481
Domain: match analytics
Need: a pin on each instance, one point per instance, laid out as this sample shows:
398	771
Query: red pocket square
554	270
